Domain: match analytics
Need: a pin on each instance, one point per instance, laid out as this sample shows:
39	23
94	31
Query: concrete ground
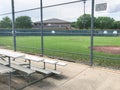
76	76
80	77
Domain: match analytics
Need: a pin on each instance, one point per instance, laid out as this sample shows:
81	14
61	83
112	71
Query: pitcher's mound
107	49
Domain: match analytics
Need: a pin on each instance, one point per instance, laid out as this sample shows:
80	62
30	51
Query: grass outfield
68	47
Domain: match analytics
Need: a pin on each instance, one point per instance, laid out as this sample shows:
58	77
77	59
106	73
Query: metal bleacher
5	69
26	67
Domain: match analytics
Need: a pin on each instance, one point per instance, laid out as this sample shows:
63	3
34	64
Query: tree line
83	22
20	22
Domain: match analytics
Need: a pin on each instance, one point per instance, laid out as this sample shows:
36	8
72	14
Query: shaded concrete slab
80	77
93	79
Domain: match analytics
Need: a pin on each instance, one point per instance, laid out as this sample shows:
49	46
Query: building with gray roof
54	24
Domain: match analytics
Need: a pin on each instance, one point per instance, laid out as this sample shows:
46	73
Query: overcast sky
67	12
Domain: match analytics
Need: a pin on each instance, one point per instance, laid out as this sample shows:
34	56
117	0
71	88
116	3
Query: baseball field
73	48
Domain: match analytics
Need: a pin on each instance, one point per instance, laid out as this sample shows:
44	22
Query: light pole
84	2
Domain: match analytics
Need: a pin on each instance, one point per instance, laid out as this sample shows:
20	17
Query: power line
63	3
43	7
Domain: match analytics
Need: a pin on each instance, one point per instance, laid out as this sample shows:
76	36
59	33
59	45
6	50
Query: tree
6	23
23	22
116	25
104	22
84	20
74	24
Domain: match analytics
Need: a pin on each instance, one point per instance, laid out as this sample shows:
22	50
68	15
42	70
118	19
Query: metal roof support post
92	31
13	25
41	15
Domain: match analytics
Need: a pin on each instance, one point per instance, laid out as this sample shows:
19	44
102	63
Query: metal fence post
92	29
41	15
13	25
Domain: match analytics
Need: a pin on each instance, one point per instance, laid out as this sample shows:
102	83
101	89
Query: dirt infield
107	49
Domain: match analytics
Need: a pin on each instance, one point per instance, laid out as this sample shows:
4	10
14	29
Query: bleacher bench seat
23	69
5	69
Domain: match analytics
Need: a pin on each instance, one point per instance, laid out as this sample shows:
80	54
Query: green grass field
75	48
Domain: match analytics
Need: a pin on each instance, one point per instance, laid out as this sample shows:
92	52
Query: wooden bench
5	69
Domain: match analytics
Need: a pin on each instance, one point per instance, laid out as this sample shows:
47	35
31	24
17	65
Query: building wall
66	26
